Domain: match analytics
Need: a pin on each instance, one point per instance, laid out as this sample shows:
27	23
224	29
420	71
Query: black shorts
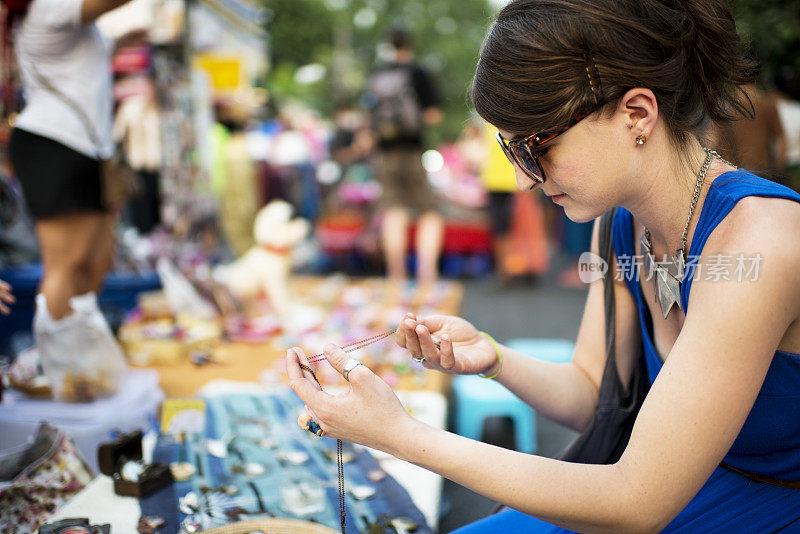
56	179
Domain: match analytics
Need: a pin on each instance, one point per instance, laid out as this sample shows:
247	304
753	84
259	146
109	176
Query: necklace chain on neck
698	187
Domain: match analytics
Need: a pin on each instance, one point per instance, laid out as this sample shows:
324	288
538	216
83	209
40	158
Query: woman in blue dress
600	103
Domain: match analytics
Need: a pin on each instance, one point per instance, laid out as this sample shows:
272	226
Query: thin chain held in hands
339	464
355	345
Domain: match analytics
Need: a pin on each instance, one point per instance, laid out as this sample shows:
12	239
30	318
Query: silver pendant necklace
667	275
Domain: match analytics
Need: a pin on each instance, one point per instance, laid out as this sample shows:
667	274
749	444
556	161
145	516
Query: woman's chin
578	215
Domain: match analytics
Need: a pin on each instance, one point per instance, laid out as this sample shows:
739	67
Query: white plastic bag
80	356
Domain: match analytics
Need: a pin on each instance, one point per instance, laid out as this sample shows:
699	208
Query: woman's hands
462	351
368	413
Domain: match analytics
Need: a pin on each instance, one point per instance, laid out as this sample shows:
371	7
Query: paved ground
523	309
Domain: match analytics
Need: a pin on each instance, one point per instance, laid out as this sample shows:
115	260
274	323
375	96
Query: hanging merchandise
10	12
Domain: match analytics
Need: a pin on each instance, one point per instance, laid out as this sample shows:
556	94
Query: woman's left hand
368	413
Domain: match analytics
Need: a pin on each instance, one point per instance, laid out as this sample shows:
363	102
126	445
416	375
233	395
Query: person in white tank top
64	65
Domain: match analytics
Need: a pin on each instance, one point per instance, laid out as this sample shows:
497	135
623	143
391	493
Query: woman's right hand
463	350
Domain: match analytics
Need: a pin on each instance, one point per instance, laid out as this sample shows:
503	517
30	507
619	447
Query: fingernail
420	329
410	323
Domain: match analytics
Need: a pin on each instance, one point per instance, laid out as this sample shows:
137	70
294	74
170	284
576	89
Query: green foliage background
448	37
772	28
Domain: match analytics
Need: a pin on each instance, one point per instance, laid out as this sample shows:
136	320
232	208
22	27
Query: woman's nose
524	182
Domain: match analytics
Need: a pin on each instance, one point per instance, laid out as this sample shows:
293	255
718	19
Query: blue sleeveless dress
769	442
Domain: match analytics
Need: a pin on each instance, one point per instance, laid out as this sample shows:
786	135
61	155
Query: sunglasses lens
528	162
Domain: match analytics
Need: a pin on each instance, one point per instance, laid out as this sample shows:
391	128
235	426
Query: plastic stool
477	398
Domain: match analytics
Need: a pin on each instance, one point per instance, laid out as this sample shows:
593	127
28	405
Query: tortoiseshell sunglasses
524	151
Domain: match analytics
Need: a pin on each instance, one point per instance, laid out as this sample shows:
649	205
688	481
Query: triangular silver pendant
666	275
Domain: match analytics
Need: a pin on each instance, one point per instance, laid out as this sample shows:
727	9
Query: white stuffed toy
267	265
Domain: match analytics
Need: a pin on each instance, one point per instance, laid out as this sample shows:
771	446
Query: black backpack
395	109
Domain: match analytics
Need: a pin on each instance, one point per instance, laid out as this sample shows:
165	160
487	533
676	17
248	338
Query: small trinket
199	358
190	526
235	513
132	470
293	457
149	524
230	489
376	475
267	443
303	498
403	525
254	470
362	492
347	456
189	504
217	448
182	471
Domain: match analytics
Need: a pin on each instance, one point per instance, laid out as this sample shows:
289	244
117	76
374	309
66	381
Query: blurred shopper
403	100
137	126
598	104
787	83
518	234
757	144
233	175
56	149
575	240
351	141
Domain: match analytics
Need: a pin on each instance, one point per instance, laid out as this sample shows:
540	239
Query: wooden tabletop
264	361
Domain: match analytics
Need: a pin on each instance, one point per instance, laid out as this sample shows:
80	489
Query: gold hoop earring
641	139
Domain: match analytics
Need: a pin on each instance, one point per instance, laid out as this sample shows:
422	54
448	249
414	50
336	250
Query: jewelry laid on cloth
668	274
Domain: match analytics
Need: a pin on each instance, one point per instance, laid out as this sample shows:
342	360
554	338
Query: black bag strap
611	387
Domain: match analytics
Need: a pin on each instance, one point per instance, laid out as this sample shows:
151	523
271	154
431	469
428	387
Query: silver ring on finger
349	365
418	359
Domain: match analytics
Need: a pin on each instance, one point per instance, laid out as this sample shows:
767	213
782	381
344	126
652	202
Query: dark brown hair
545	61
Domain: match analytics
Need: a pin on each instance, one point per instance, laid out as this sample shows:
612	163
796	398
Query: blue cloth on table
273	415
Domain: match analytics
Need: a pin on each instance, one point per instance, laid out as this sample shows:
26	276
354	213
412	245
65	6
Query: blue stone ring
313	427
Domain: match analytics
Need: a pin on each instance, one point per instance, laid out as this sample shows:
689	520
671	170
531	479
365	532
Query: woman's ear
639	109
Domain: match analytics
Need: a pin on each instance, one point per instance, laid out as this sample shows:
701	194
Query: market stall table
264	361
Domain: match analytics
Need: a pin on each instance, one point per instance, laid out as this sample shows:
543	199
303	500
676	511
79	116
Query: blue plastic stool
477	398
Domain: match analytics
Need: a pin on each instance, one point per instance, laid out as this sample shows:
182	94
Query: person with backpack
402	101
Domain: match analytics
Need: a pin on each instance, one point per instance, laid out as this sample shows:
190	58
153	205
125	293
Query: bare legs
394	237
77	252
